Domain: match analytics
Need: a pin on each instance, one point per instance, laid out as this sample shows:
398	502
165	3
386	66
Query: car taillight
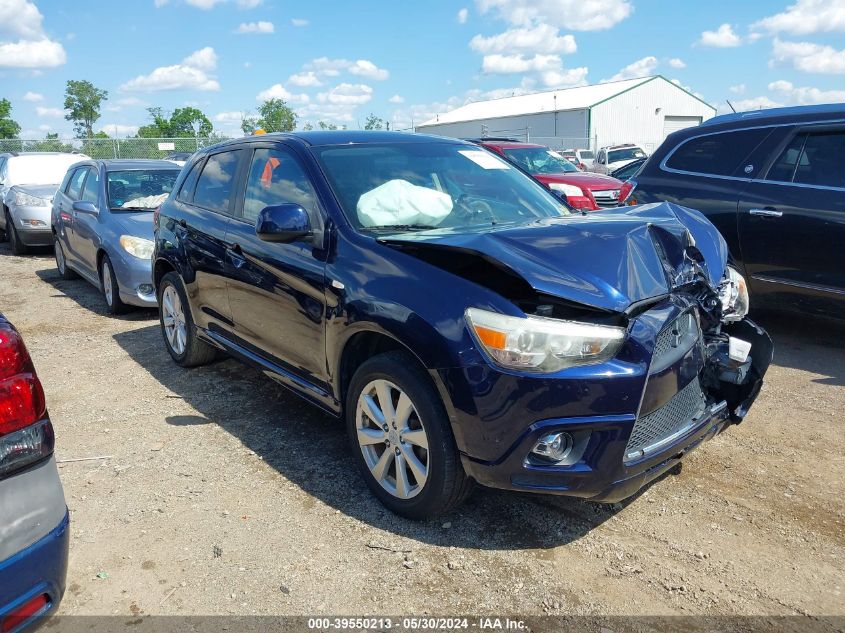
25	437
625	192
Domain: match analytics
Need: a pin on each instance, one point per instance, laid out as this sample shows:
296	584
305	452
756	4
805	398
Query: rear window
629	153
586	154
716	154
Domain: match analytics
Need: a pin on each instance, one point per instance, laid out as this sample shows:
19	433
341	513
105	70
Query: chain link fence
111	147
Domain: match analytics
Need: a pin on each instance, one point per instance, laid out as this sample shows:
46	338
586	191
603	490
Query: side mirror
282	223
84	206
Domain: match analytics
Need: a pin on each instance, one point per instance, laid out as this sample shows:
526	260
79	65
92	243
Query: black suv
773	182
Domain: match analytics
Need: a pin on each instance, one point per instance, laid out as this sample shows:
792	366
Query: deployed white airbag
401	202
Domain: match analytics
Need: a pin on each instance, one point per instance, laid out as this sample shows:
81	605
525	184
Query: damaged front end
627	345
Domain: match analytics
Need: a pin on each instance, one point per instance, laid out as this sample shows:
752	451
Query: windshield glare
140	189
540	160
431	185
625	154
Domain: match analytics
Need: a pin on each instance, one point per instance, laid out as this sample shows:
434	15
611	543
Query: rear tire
18	247
177	325
61	262
411	432
110	289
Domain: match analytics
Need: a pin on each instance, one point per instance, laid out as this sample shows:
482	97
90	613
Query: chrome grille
607	198
675	334
661	426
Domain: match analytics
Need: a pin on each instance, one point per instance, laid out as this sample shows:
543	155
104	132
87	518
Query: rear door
277	291
71	194
203	212
792	222
84	236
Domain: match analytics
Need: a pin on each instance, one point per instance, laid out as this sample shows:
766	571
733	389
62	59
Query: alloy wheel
60	256
392	438
173	320
108	291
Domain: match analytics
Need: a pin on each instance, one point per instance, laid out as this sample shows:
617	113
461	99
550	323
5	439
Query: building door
675	123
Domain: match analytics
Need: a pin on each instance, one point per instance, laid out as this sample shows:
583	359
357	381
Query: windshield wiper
399	227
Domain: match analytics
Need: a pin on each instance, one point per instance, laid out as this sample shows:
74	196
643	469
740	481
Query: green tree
326	126
82	101
308	126
373	122
249	124
276	116
9	128
51	143
182	123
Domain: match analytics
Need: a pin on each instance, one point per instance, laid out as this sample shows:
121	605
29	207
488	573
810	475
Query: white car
28	181
613	157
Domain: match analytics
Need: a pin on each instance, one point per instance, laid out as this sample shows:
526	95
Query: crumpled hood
136	223
608	260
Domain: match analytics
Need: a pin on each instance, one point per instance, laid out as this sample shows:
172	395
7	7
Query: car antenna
730	105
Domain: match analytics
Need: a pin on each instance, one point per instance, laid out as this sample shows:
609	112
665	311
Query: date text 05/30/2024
416	624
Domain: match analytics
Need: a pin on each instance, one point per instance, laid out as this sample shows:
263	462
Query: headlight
569	190
137	246
733	292
21	199
541	344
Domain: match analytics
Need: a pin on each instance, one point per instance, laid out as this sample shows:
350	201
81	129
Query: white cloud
677	62
299	22
806	17
204	4
738	89
397	99
191	74
366	68
542	38
809	57
261	27
462	16
24	43
204	59
347	94
21	18
116	129
160	3
577	15
565	78
305	79
45	128
755	103
49	112
723	37
278	91
325	67
507	64
640	68
34	97
248	4
806	95
229	117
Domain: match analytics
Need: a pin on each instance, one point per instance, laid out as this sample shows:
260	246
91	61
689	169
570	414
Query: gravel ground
224	494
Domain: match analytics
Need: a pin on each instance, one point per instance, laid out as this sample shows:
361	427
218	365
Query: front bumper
499	416
135	280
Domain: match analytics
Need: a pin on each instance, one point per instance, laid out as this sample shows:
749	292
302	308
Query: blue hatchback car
102	221
34	532
466	325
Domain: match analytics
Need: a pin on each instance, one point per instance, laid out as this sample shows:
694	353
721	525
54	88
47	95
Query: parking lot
215	491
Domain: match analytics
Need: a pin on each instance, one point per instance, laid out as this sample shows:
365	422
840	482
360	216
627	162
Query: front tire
402	438
109	287
18	247
177	325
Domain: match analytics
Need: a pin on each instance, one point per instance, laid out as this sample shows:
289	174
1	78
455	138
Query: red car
583	190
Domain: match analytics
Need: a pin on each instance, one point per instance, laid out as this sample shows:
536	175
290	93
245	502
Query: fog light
554	446
145	289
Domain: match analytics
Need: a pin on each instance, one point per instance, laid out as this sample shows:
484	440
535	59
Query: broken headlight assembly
733	293
542	344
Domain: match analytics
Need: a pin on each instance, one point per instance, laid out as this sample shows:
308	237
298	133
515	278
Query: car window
783	168
92	186
216	183
821	161
74	187
716	154
585	154
276	177
186	192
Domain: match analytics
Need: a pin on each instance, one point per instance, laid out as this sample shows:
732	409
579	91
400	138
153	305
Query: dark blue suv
773	183
467	326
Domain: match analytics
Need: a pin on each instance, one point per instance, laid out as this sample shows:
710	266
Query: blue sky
405	61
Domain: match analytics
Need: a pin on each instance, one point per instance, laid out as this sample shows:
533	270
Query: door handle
766	213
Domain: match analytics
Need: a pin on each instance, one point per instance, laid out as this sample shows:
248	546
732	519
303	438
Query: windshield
45	169
629	153
540	160
406	186
586	154
143	189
